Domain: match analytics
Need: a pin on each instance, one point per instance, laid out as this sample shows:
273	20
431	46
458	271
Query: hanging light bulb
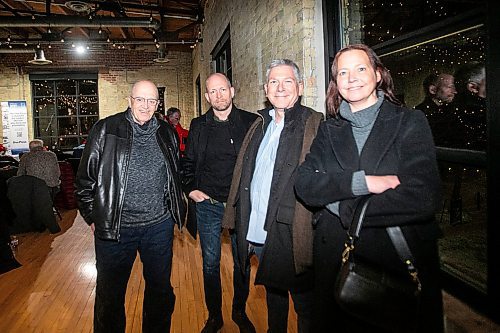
107	40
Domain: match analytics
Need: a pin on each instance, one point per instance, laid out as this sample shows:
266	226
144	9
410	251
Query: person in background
7	160
41	164
129	193
212	147
173	117
439	94
470	104
371	145
262	207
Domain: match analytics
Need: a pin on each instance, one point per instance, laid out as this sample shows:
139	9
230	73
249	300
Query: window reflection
445	79
44	107
66	106
375	21
463	221
66	87
86	124
43	88
88	87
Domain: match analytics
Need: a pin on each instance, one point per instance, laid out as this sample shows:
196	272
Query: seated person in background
173	118
439	93
7	160
41	164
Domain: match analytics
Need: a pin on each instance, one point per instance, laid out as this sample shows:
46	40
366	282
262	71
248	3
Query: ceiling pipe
78	21
17	50
102	42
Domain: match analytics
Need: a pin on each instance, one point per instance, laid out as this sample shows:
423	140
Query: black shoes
213	325
244	324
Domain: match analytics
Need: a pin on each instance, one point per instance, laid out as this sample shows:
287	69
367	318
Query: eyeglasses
148	101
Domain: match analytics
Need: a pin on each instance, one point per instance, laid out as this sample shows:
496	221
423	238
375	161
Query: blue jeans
209	218
114	264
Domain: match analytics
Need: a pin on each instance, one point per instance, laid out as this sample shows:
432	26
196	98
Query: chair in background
31	201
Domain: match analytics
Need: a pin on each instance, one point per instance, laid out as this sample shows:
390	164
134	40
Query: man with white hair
129	193
41	164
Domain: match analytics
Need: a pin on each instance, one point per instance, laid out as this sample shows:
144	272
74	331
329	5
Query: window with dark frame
64	108
221	55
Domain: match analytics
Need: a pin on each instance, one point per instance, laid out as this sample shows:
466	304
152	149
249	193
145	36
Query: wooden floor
54	289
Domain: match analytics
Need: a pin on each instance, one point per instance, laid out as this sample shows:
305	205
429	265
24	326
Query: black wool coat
400	144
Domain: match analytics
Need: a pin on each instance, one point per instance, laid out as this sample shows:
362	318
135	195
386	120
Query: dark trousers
114	264
278	303
209	217
277	310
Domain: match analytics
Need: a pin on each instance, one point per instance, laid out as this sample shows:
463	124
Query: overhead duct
78	21
39	58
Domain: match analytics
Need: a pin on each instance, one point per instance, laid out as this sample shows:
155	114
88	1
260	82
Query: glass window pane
67	126
463	220
44	107
66	106
88	87
66	87
445	78
56	119
375	21
86	124
45	127
43	88
89	105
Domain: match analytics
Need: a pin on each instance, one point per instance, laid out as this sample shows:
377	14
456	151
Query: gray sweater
144	200
361	123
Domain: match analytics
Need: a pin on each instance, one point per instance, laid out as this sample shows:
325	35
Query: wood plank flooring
54	289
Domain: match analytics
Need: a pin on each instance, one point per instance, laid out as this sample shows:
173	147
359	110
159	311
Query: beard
221	105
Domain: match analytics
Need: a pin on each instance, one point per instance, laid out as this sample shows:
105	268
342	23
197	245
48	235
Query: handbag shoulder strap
396	235
360	207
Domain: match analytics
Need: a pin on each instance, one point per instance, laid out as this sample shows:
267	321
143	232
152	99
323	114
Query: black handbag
376	296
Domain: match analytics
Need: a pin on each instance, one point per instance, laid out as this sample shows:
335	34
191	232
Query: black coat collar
381	137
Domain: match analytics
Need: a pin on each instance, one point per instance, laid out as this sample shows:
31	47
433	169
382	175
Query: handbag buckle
349	246
414	274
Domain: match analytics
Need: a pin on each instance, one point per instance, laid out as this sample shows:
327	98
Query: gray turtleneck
361	124
144	199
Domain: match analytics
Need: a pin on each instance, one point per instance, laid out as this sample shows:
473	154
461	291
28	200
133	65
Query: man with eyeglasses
129	193
212	147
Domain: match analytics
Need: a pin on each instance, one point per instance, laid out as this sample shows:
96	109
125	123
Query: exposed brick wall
262	31
117	71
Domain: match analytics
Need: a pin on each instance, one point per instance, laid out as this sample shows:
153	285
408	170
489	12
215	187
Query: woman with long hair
371	145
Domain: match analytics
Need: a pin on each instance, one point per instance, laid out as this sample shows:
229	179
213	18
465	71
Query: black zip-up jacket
102	175
196	146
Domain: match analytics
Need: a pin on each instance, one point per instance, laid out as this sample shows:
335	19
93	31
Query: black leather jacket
102	175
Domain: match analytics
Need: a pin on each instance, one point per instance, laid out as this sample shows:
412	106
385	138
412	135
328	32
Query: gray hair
284	62
36	145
